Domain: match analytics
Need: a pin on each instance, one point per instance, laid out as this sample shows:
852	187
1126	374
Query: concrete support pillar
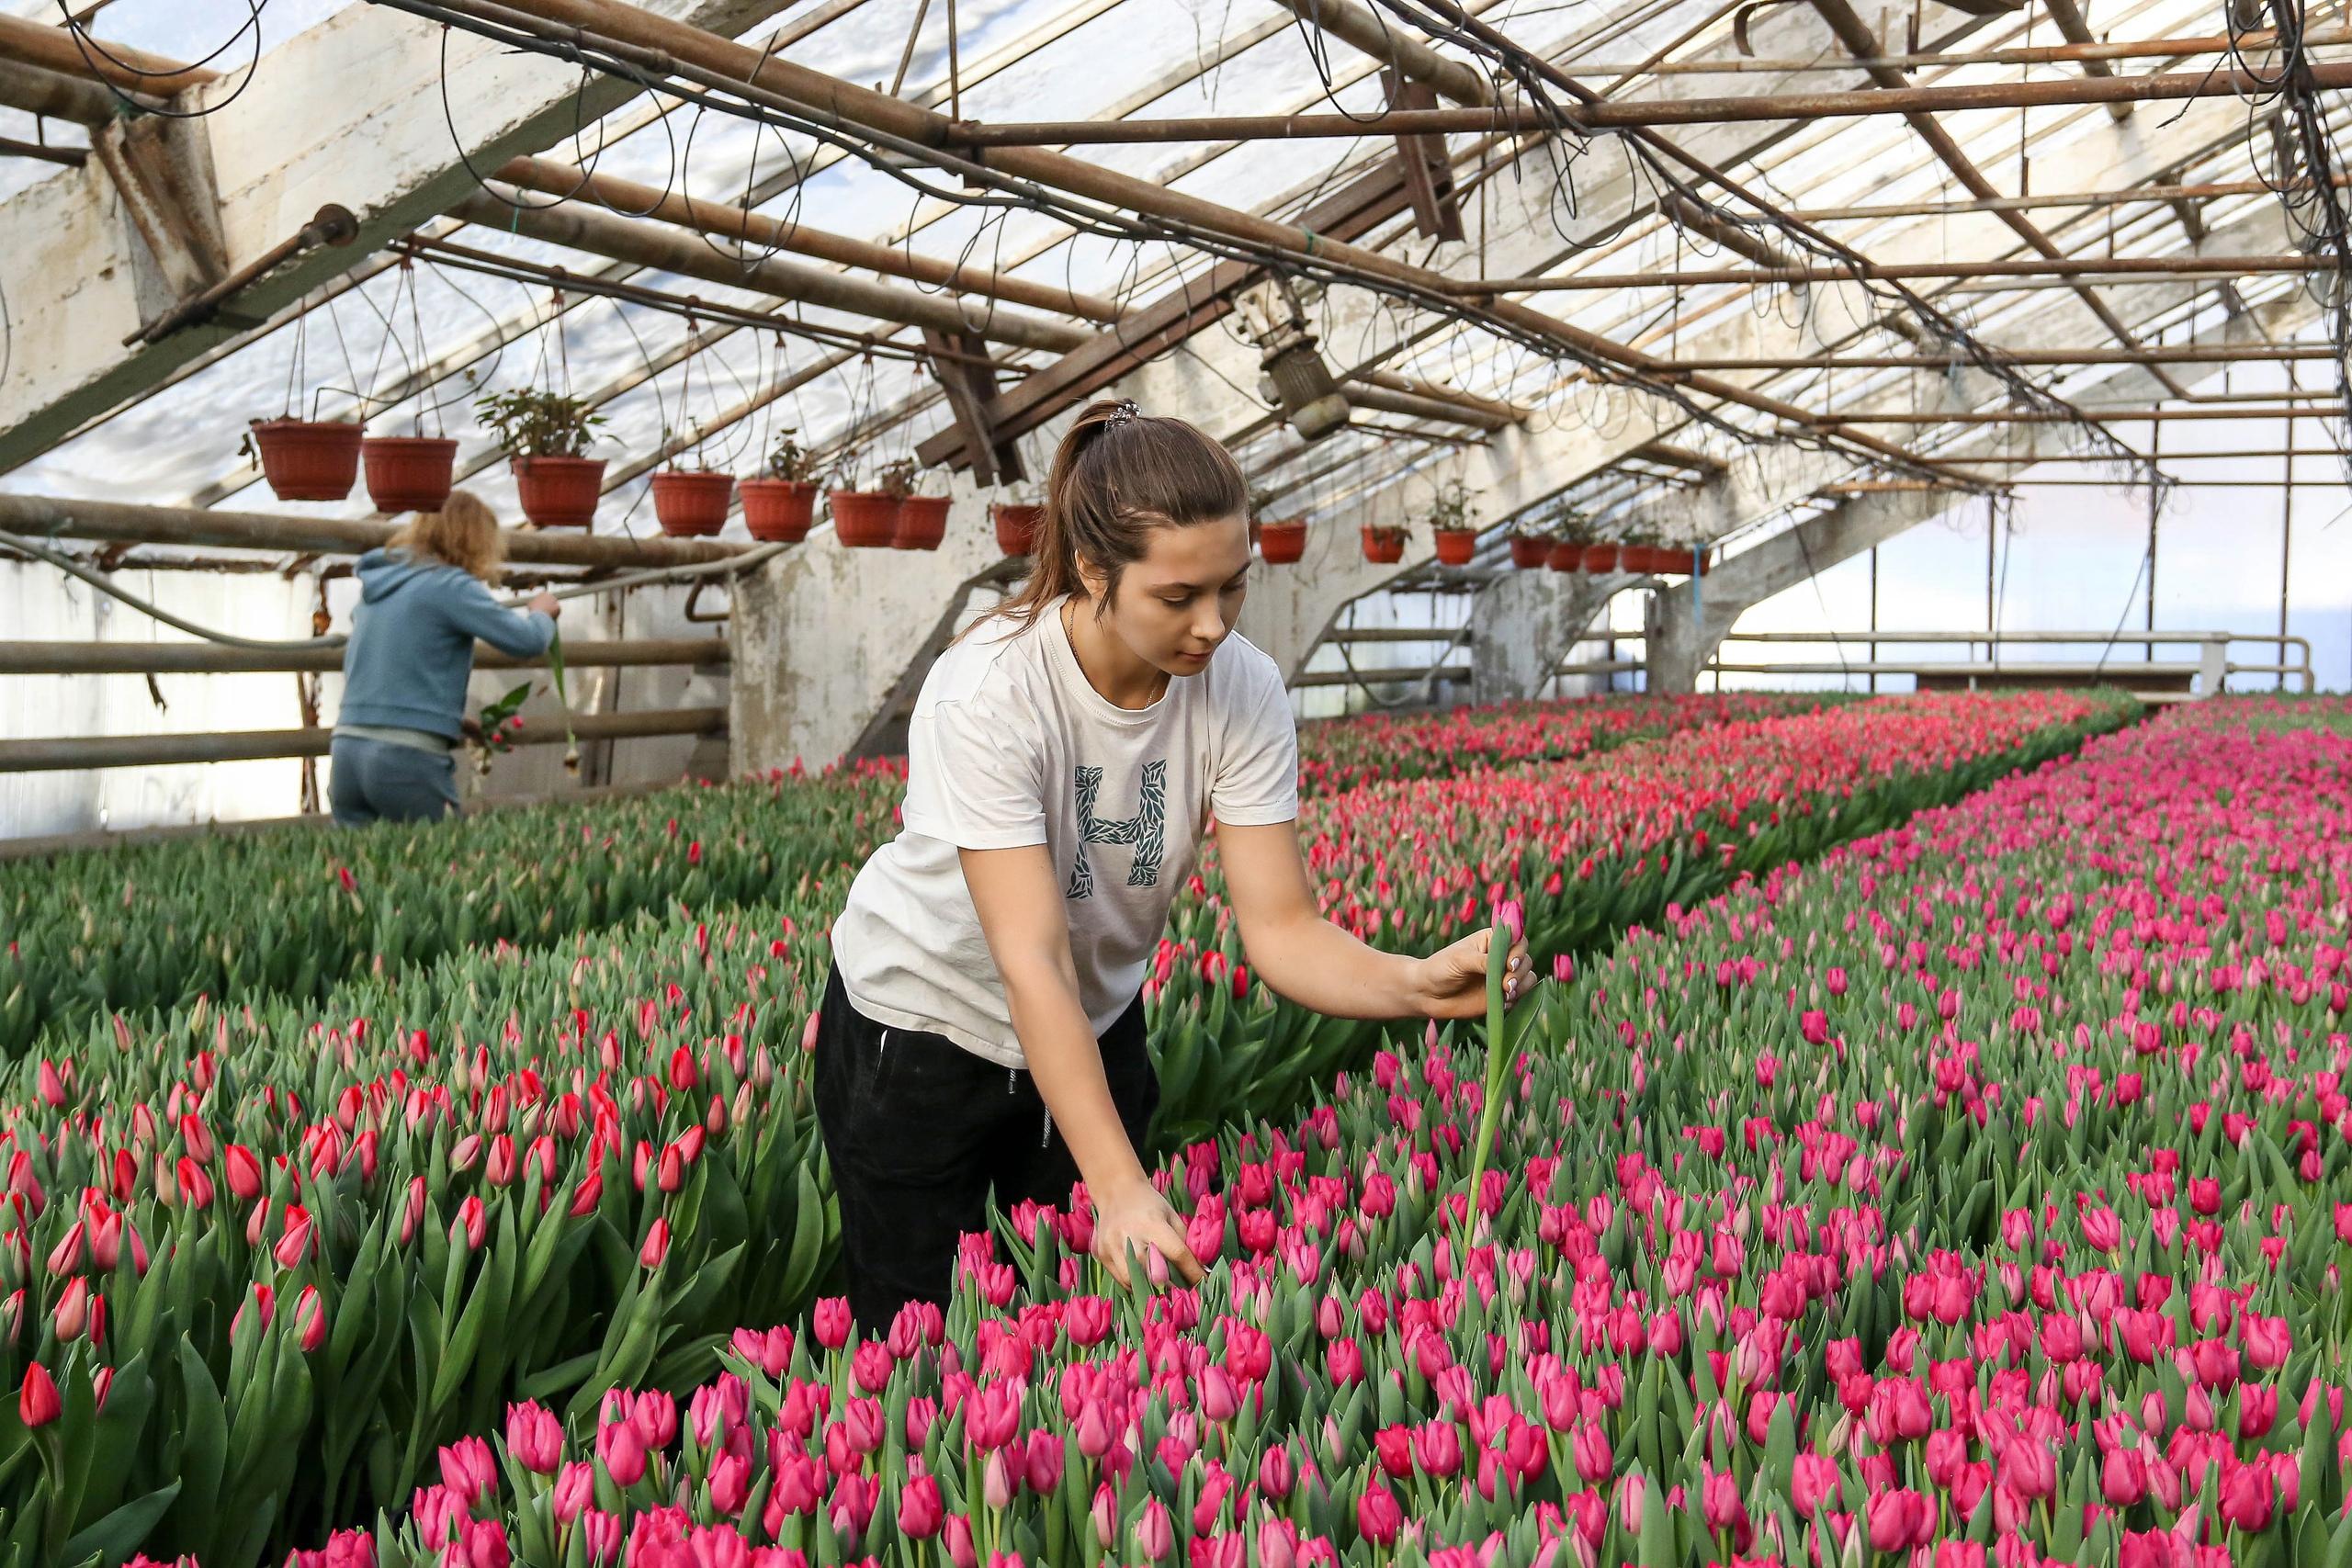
1525	623
1291	609
1686	623
827	641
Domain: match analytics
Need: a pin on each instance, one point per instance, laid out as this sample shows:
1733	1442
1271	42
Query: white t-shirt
1010	745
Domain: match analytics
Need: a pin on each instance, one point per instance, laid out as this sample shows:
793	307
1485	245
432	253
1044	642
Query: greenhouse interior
1630	722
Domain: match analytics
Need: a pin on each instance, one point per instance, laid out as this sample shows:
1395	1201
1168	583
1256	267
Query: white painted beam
348	111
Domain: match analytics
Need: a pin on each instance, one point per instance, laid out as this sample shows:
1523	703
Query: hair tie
1124	411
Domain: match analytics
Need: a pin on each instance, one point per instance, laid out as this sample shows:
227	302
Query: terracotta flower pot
1563	555
1527	553
1383	550
308	459
409	473
863	519
689	503
922	522
1016	526
778	512
558	492
1598	559
1280	543
1455	547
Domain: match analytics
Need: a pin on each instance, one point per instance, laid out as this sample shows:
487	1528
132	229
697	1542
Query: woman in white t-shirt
982	1027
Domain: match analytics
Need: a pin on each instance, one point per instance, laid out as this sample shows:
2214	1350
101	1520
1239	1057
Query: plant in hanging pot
1570	535
305	459
922	519
780	503
1639	552
544	435
409	473
863	519
1531	544
691	502
1384	543
1454	520
1016	524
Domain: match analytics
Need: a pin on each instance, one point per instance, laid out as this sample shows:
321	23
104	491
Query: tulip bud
310	1318
37	1402
657	1245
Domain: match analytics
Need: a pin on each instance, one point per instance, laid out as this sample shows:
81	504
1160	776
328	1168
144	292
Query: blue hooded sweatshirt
412	645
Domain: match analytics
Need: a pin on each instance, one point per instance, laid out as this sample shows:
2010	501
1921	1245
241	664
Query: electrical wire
93	52
1090	218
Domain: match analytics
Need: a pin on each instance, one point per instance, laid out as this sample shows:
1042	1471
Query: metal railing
2202	676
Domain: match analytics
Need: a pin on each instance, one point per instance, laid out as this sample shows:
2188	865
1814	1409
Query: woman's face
1178	603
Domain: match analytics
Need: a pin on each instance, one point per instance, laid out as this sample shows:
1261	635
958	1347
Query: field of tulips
1974	1196
1587	848
1340	753
290	912
323	1241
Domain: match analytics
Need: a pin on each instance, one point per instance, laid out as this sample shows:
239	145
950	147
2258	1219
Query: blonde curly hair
464	532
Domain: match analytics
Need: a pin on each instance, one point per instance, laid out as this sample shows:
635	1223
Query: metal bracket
960	360
1428	174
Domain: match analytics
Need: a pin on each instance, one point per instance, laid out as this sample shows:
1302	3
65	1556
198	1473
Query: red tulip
243	1171
657	1245
37	1402
310	1319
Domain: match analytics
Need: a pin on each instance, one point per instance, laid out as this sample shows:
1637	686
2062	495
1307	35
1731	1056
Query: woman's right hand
1134	1217
545	604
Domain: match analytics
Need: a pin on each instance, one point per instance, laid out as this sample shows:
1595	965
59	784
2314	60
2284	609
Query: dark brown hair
1117	475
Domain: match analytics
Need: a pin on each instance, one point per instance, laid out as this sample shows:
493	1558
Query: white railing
2201	676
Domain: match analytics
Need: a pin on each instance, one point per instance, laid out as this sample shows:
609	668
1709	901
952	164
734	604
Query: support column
1685	624
827	641
1525	624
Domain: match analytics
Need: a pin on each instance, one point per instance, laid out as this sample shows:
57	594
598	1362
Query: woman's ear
1093	585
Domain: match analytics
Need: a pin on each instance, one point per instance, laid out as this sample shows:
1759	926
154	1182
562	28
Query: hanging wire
93	52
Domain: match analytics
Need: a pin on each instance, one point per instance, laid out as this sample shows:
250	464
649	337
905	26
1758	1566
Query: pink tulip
623	1452
1378	1517
575	1488
831	1322
469	1469
1593	1458
920	1513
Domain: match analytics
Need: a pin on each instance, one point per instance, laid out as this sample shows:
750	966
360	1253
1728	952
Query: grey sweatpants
373	781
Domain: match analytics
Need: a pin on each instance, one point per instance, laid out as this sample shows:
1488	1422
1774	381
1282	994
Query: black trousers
919	1131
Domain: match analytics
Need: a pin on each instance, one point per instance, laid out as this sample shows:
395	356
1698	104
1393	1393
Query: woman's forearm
1065	1064
1310	961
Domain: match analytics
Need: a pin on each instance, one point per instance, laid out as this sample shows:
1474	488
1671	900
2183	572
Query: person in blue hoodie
423	599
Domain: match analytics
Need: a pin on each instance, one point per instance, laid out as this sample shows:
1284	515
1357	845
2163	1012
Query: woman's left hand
1454	979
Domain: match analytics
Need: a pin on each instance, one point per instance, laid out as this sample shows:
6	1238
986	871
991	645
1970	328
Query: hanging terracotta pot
922	522
863	519
1647	560
1565	554
409	473
1016	526
778	512
1382	548
1280	543
558	492
1598	559
307	459
1527	553
1456	546
691	503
